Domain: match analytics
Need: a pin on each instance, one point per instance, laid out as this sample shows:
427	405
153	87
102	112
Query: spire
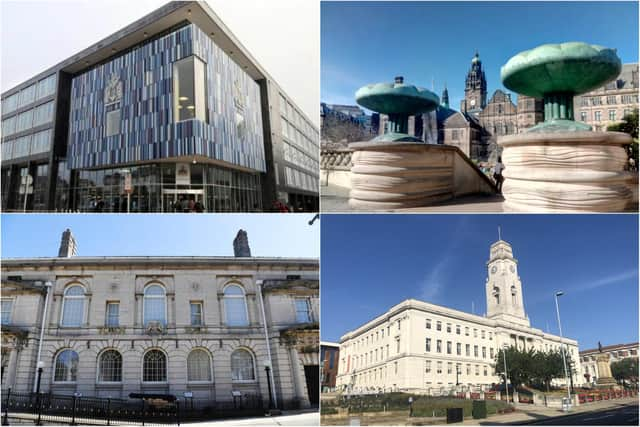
68	246
241	245
445	97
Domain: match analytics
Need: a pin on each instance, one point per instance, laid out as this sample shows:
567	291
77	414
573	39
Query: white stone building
168	325
608	104
417	346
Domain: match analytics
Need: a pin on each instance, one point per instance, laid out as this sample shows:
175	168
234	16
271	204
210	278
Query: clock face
494	269
513	269
473	102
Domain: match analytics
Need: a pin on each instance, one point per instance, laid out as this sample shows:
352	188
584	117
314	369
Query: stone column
11	368
297	370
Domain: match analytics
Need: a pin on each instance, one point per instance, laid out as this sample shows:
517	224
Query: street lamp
506	377
564	359
40	369
267	368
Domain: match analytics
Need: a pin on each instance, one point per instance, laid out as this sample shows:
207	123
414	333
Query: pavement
334	199
307	417
611	412
622	411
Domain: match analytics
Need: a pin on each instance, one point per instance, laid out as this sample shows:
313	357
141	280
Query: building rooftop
609	348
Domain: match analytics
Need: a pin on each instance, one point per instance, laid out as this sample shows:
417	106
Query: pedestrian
497	174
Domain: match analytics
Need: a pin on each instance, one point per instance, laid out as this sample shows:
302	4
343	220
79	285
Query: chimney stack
68	246
241	245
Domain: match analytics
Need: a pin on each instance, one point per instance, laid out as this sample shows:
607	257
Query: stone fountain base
567	172
397	175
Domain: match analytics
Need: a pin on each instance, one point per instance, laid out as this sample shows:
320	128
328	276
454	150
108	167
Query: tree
625	369
343	129
532	367
629	124
518	365
546	366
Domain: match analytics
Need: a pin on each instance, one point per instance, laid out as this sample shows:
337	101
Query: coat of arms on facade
237	96
154	327
113	90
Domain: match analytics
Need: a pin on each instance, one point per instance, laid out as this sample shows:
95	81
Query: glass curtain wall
155	190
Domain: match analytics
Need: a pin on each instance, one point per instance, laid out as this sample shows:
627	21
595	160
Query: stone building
416	346
500	115
475	88
616	353
608	104
329	358
110	326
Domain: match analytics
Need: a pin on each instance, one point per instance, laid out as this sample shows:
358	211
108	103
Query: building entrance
181	200
312	375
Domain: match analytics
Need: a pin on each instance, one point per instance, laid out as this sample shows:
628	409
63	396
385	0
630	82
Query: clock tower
475	89
503	287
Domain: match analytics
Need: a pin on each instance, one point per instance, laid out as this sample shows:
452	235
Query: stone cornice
163	262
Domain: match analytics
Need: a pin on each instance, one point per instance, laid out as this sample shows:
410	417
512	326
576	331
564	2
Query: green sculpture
556	73
398	101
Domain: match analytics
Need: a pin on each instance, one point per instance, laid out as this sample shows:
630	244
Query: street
622	415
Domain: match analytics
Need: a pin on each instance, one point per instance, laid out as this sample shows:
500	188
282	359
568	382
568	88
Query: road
625	415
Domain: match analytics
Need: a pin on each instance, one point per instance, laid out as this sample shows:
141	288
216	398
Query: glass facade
175	97
165	187
301	149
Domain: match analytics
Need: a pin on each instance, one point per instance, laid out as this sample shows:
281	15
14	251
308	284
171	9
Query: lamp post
267	368
564	359
506	377
40	369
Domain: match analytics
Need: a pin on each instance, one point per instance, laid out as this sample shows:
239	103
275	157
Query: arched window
155	304
154	366
496	294
198	366
235	306
110	366
73	306
242	366
66	366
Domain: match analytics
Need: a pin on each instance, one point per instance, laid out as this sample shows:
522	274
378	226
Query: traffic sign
128	187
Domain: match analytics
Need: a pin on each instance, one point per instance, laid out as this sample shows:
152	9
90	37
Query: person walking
497	174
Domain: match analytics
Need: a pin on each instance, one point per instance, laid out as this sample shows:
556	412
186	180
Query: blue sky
371	262
369	42
285	235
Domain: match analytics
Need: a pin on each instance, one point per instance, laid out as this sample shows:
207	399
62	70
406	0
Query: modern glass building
169	114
